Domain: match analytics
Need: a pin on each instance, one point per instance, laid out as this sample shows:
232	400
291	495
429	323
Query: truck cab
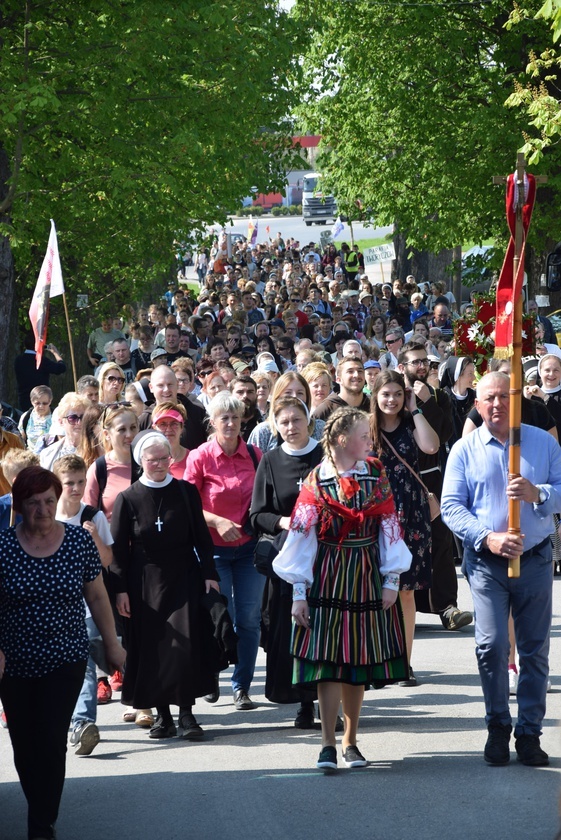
317	206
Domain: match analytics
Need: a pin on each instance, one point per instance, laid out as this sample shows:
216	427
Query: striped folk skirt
350	638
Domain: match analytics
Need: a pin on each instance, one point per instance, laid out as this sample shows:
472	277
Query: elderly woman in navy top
47	568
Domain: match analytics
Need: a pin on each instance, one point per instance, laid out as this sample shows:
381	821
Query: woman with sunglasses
111	383
70	412
112	473
106	477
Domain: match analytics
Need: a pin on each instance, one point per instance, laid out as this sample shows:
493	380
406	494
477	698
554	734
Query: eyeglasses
74	419
296	300
115	379
108	407
392	341
204	373
418	363
153	462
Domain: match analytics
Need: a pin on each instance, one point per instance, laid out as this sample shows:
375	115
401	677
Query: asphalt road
253	777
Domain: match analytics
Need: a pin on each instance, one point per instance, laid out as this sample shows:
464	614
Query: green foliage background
130	122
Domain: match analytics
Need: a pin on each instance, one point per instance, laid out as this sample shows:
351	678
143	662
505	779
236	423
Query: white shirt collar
149	483
310	446
326	469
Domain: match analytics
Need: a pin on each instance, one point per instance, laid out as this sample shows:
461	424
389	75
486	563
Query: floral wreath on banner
474	335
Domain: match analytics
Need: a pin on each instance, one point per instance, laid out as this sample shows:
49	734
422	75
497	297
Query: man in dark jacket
351	378
442	597
28	376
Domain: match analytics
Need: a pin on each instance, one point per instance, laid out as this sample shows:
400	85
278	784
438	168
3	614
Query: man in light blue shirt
475	507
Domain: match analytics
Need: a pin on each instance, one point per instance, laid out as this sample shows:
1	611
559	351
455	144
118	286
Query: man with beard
351	378
442	597
244	388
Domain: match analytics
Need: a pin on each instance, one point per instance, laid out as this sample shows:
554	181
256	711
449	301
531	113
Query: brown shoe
144	718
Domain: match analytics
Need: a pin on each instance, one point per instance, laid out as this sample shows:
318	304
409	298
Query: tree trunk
423	265
401	266
457	278
429	267
7	280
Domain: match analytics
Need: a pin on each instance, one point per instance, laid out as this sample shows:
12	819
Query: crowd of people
256	462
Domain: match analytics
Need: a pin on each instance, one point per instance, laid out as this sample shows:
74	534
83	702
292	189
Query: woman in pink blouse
223	470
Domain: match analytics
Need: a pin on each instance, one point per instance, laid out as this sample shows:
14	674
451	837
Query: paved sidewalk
253	778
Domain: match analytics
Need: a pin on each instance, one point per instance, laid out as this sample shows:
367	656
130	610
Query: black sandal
162	728
189	729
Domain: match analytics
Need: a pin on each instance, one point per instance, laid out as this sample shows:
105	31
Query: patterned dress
411	505
350	638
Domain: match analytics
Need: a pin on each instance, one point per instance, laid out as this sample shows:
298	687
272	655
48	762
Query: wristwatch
415	412
542	495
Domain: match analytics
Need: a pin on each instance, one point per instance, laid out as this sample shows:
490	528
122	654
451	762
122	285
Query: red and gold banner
509	287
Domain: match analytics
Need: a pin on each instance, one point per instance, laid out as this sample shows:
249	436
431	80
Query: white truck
316	205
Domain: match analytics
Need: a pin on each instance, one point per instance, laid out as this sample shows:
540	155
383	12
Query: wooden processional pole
70	344
516	383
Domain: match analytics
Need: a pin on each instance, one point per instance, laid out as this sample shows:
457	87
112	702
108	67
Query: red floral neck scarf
380	503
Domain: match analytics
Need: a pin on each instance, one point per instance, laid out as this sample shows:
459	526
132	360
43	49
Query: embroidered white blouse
295	561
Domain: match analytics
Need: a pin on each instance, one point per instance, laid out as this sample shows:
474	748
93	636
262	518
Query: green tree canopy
410	102
541	95
128	122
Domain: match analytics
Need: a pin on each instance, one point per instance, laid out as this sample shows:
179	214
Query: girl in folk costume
343	555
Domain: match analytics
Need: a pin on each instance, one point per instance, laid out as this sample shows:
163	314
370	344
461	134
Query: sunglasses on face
74	419
392	341
115	379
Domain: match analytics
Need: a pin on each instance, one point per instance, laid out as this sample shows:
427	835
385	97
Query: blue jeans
530	598
243	587
86	705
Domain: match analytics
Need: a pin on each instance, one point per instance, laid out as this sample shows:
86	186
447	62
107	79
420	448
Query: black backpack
88	514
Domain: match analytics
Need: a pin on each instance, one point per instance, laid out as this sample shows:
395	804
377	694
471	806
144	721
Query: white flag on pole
49	285
337	228
57	284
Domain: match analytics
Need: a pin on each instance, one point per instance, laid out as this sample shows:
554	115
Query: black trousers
40	750
444	587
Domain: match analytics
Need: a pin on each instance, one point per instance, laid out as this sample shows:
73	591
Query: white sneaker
512	681
548	684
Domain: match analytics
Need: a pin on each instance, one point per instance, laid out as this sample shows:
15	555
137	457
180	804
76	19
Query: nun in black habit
163	565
